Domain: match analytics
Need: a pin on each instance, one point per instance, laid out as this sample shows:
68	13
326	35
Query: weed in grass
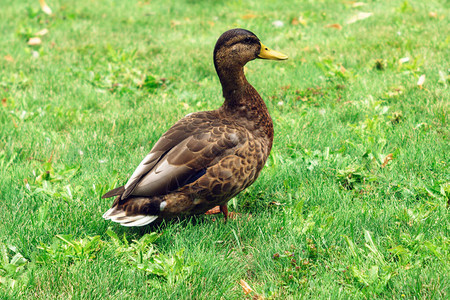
13	267
65	249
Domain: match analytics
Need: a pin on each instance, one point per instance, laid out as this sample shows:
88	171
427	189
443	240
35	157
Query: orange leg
213	211
224	210
219	209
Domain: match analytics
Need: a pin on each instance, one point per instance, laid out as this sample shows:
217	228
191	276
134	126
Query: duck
207	157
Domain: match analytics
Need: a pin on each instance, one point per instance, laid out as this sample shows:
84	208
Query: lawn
352	203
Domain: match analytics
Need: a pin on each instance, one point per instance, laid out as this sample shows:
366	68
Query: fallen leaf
245	287
387	159
301	21
432	14
278	23
335	26
421	81
174	23
358	4
34	41
45	7
9	58
4	102
249	16
27	185
42	32
360	16
403	60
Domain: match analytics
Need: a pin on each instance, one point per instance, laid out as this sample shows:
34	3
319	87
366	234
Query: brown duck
207	157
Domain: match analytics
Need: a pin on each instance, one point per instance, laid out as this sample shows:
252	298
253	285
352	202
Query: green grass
329	217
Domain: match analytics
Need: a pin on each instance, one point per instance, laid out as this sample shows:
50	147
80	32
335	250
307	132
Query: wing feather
182	153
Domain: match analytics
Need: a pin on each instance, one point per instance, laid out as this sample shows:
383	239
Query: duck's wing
181	156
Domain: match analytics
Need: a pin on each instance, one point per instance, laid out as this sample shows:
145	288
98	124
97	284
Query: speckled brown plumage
208	157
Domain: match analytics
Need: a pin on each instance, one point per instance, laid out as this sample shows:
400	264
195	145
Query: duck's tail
132	216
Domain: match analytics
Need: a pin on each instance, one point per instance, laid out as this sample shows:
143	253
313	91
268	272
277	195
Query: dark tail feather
115	192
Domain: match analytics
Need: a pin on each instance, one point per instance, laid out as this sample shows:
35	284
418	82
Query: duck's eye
248	41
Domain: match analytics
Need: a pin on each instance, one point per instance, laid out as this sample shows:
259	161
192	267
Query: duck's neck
243	101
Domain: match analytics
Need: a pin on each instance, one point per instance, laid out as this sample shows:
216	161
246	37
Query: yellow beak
267	53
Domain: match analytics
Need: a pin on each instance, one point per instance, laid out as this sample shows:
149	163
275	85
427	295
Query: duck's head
236	47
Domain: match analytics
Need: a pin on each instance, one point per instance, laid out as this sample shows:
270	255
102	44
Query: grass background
330	216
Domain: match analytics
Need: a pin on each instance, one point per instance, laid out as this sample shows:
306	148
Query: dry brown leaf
174	23
4	102
432	14
295	21
387	159
45	7
41	32
9	58
335	26
249	16
245	287
421	80
34	41
360	16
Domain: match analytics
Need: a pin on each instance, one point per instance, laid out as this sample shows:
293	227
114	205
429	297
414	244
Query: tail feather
115	192
119	216
142	221
113	212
